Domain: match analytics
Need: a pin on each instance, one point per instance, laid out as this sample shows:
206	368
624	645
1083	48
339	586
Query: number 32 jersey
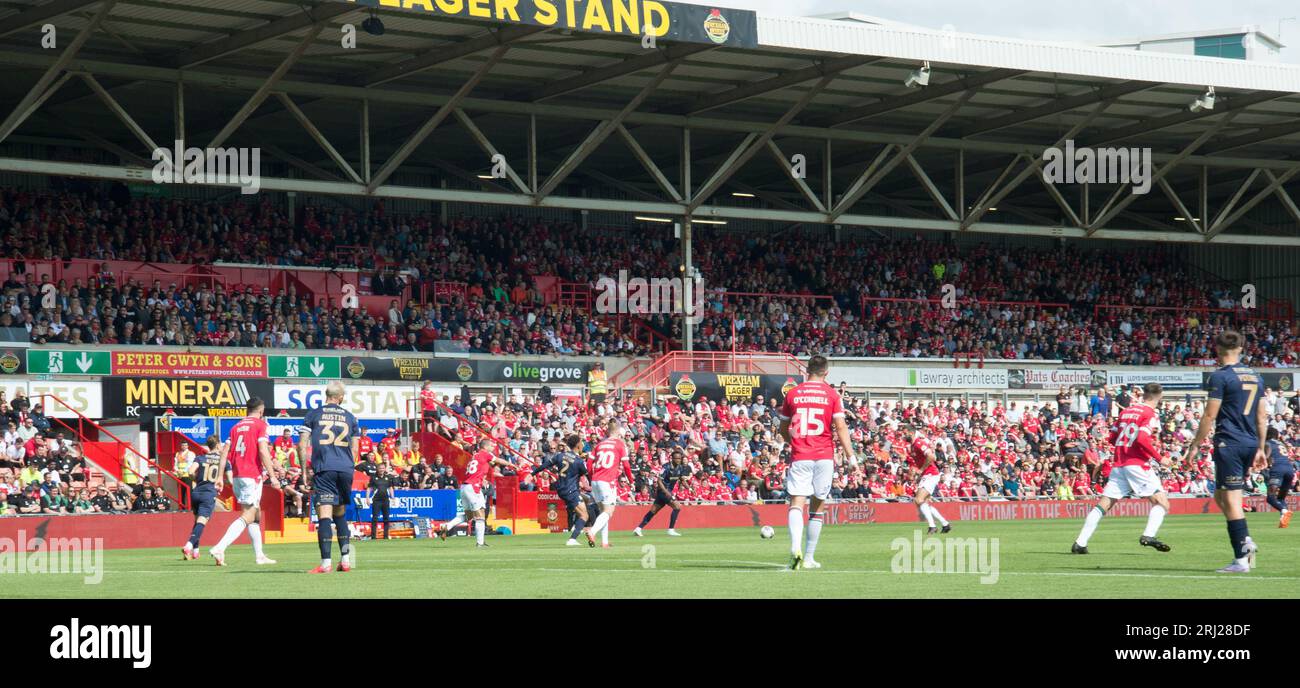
332	429
811	408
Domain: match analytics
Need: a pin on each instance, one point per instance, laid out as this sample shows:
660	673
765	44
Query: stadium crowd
795	292
1058	449
43	471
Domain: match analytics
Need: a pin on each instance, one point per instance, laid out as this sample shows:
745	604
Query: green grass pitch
1033	562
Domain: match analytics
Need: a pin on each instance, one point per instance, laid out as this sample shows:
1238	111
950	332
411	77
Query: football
766	532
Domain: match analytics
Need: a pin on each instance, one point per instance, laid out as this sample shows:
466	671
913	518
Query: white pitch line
775	568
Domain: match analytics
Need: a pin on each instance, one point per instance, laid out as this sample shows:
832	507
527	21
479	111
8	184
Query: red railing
657	371
314	281
182	490
575	294
958	302
776	295
507	488
414	411
1268	313
442	292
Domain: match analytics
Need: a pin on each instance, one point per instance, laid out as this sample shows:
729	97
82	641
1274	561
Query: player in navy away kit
665	483
334	436
206	471
1281	476
569	467
1240	425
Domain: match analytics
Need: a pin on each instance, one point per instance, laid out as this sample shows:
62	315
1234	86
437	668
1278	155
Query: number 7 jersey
811	407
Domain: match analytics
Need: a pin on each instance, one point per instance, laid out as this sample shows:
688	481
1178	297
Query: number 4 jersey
246	440
1134	436
811	408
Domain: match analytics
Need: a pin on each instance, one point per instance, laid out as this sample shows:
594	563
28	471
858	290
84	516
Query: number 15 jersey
811	408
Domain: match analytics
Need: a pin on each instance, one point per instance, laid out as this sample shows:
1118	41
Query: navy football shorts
1231	465
203	502
1281	479
571	499
332	488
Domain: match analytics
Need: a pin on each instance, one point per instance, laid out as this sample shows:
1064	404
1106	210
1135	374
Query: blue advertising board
439	505
197	428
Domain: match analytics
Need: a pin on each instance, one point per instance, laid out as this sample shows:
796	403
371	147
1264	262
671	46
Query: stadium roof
594	120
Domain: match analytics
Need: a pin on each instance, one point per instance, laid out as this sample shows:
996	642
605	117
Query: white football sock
1154	519
237	526
601	519
478	530
1089	526
449	524
795	519
814	533
925	513
255	534
935	512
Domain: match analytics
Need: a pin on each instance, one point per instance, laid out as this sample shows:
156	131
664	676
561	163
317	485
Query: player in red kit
472	499
811	412
1134	439
608	460
249	456
921	454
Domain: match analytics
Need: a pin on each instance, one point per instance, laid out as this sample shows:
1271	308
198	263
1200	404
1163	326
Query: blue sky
1062	20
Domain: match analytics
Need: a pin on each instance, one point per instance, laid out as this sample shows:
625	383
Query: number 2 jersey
1134	436
332	429
811	408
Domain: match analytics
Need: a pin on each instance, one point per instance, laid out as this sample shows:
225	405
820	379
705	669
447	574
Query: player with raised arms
329	439
1240	425
811	412
608	460
472	500
923	457
206	473
1134	440
249	452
